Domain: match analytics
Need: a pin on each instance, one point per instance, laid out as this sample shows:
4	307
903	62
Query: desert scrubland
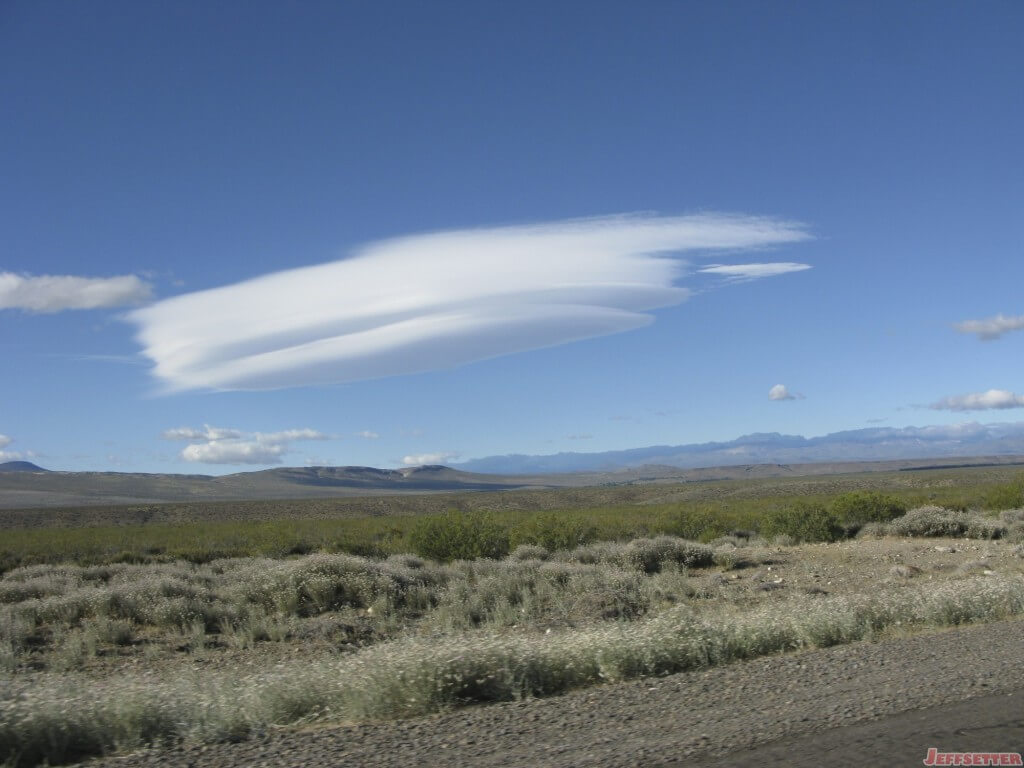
166	635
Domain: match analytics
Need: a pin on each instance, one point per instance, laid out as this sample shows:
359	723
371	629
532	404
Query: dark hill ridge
20	466
20	489
425	478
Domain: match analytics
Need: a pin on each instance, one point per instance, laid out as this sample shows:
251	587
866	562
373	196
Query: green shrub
860	507
1008	496
553	531
695	524
459	535
802	521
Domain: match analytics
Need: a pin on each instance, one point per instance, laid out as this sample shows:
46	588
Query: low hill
20	466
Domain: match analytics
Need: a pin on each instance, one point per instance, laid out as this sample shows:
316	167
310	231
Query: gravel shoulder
911	690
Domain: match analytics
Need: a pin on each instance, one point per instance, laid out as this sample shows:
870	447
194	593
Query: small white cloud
367	434
993	399
780	392
9	455
318	461
234	452
579	436
55	293
435	301
206	433
233	446
753	271
420	459
992	328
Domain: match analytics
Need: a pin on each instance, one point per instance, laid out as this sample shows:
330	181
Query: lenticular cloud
426	302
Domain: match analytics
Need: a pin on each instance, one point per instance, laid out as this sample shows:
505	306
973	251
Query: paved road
986	724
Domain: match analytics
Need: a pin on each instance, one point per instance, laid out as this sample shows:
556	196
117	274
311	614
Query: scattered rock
974	566
905	571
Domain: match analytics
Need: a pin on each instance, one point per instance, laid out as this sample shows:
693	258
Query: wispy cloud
579	436
367	434
992	328
993	399
433	301
781	392
55	293
752	271
233	446
419	459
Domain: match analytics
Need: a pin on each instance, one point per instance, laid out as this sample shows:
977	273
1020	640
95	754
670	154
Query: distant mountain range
873	444
25	485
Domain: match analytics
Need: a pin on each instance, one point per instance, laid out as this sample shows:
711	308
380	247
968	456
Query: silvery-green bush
937	521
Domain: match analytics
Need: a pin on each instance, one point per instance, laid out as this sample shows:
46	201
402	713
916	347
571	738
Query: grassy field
117	636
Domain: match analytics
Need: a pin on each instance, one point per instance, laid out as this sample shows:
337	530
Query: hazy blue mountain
871	444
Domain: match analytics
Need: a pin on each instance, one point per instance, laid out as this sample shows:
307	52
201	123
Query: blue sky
480	228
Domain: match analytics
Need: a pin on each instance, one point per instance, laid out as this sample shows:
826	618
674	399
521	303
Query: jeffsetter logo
972	758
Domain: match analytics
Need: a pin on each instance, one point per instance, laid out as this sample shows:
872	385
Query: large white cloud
233	446
438	300
993	399
991	328
54	293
